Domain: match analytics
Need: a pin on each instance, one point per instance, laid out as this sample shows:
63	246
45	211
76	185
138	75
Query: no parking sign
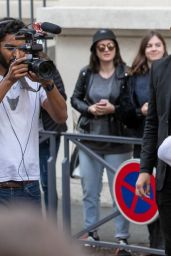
134	208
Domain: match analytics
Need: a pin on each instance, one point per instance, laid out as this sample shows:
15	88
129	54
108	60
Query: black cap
102	34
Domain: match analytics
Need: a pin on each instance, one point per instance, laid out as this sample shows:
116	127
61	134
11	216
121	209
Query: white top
19	136
164	151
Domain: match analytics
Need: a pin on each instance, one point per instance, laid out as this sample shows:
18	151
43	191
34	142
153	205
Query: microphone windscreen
51	28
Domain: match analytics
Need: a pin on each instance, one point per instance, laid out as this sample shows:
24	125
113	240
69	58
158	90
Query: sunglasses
109	46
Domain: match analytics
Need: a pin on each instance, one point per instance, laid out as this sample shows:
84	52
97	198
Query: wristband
49	87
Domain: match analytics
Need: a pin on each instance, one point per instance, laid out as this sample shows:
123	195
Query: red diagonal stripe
134	202
132	189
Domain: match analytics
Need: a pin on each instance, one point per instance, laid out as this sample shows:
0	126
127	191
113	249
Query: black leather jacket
102	125
79	99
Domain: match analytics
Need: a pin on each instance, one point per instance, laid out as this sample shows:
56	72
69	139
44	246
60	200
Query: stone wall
79	23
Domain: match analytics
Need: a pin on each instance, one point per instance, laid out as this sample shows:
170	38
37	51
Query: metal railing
20	16
66	202
52	190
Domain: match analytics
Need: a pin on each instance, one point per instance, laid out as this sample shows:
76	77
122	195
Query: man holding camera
22	93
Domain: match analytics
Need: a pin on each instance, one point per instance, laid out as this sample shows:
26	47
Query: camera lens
44	68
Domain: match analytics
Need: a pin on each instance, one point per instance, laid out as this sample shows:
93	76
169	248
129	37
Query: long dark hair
140	64
94	63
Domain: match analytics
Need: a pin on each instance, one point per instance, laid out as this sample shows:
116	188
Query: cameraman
20	100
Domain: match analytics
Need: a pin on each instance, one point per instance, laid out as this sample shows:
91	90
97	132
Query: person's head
152	48
104	48
8	29
23	231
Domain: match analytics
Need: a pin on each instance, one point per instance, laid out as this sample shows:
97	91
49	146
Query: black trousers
164	206
156	238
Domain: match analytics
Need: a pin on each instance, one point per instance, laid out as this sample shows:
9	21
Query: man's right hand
17	70
143	185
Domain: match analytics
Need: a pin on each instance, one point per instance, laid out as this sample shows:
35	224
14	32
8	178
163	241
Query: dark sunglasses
102	47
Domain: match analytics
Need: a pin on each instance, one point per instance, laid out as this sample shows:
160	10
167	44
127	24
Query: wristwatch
49	87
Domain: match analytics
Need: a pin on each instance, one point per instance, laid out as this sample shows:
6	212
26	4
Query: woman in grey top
96	97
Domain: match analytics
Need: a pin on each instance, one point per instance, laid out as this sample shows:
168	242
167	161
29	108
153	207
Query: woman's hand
103	107
92	109
144	109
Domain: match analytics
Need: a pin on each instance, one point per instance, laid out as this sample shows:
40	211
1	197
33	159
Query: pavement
138	233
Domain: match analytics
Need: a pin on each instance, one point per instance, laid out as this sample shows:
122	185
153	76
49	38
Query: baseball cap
102	34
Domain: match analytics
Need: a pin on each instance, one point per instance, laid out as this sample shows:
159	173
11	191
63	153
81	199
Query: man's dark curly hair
10	26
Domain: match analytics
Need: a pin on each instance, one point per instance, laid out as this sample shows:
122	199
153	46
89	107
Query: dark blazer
158	120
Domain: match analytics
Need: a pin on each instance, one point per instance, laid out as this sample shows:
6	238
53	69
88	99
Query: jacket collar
121	71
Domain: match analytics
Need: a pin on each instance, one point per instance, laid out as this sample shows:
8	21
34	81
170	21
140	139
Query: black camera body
42	67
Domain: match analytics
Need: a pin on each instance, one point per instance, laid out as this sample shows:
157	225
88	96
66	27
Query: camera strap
26	86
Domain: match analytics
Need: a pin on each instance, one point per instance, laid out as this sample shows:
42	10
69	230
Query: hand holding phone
102	102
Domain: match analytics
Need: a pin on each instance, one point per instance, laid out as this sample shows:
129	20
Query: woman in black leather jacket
95	96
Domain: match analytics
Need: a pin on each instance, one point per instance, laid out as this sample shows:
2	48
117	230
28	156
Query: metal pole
52	200
66	201
97	224
132	248
31	11
8	8
44	3
105	138
19	9
52	192
45	43
94	155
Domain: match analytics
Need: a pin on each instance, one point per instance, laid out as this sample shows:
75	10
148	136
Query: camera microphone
51	28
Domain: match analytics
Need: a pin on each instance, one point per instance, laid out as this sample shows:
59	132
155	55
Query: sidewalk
138	233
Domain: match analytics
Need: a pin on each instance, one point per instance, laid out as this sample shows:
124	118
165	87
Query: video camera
41	66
